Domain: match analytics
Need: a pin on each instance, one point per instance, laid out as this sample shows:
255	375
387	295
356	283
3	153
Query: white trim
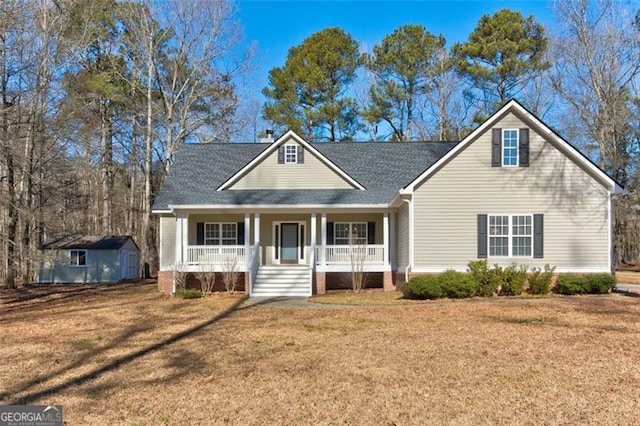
301	261
509	235
161	211
247	241
86	255
274	146
546	132
610	232
173	207
295	153
385	236
220	239
517	148
313	237
323	239
347	268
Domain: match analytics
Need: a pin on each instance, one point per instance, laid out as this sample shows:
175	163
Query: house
295	214
89	259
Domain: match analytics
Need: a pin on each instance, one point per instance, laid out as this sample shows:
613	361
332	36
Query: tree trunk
106	148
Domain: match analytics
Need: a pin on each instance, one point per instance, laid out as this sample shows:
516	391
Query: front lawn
124	354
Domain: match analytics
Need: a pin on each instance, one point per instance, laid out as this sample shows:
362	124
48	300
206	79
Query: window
290	154
510	147
220	234
350	233
77	258
510	236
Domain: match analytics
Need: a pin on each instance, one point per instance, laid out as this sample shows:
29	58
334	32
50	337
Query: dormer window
290	154
509	147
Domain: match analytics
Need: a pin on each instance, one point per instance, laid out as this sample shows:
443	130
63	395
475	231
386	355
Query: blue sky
275	26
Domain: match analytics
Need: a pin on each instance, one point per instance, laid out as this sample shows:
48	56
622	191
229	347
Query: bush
422	287
513	278
599	283
589	284
487	280
457	285
189	293
569	284
540	281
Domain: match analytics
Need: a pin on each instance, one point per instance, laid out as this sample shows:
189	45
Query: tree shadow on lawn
37	296
33	395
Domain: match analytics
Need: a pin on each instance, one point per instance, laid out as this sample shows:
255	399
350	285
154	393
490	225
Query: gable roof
545	131
274	146
88	242
382	168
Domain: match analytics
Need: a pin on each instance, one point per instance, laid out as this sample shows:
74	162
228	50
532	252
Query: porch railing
214	254
346	255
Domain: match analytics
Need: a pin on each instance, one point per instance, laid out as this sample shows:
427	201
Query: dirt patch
128	355
628	277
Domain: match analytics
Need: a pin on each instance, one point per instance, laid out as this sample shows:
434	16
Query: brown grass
126	355
628	277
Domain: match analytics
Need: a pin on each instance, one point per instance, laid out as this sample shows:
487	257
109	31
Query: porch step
289	280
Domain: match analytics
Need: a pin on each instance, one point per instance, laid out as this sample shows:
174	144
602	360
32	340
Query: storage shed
89	259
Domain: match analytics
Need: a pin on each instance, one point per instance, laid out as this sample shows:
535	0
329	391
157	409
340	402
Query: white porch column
385	235
247	238
392	240
313	241
323	238
256	228
181	239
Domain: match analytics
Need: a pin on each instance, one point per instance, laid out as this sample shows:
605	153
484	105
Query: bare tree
230	274
207	278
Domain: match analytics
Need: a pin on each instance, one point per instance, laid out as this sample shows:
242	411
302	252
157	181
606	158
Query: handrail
254	261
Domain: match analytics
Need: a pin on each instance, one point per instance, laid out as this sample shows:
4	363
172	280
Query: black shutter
538	236
301	241
300	154
482	236
281	155
371	232
277	242
200	233
240	233
523	148
330	233
496	147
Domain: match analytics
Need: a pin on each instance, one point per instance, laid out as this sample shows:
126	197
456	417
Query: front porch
324	242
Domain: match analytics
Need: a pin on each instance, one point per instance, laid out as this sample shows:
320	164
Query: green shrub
457	285
422	287
599	283
513	278
570	284
189	293
539	280
487	280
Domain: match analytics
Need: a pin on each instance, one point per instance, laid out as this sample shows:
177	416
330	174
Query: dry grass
628	277
127	355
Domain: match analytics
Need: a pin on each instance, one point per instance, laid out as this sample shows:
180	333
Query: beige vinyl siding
403	236
574	204
167	242
312	174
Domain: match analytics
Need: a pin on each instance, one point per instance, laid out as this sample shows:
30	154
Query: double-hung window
350	233
77	258
290	154
220	234
510	235
510	147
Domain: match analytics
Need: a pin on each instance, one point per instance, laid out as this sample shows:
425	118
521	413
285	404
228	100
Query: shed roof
88	242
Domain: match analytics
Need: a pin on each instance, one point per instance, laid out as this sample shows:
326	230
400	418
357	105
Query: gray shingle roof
89	242
383	168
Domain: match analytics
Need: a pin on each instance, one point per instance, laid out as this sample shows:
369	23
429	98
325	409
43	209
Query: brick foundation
320	283
165	282
388	281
